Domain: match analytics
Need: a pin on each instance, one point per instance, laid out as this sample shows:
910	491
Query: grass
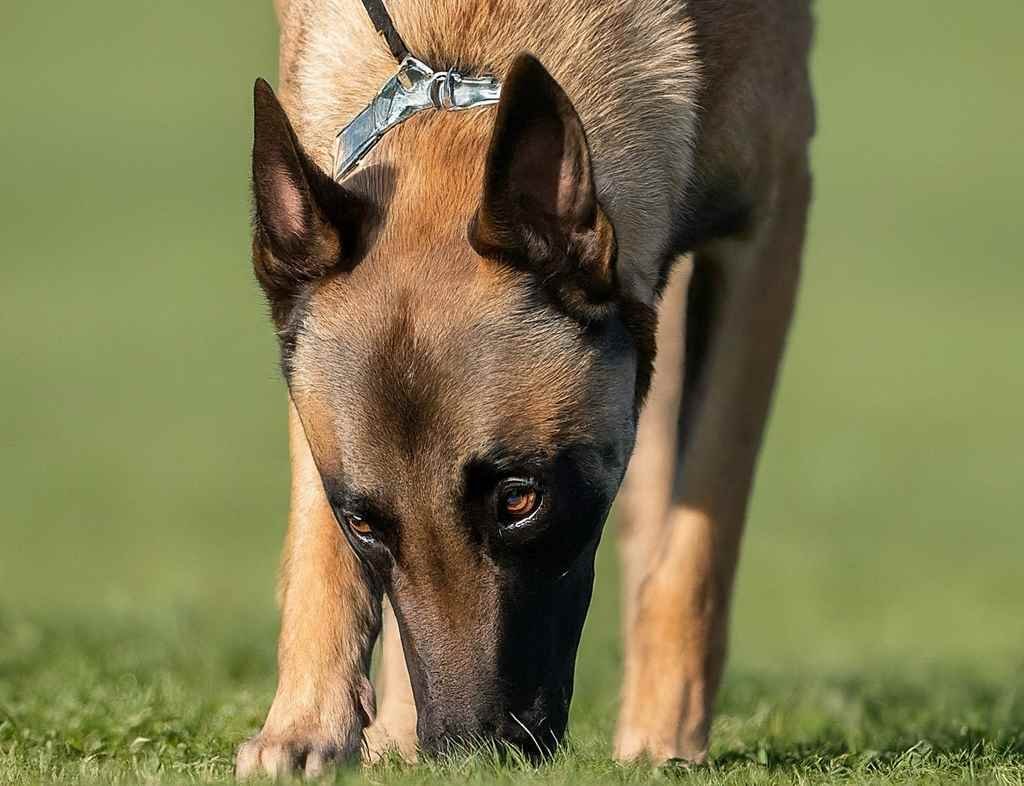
136	700
877	630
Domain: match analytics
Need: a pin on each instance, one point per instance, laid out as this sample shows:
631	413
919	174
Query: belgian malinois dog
468	325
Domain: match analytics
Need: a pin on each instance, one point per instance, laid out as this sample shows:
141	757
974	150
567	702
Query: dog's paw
661	748
303	738
273	756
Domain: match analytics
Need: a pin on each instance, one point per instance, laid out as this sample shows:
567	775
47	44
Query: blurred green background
142	419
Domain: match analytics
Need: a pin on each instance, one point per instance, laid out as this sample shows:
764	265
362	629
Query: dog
468	325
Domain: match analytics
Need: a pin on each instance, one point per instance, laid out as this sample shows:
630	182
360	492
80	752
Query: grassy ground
878	633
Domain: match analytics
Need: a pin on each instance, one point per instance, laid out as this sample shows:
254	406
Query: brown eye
518	499
358	525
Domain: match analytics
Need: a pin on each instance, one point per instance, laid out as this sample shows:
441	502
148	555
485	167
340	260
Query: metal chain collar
415	88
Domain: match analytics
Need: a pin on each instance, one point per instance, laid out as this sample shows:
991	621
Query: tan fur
394	730
629	66
646	495
680	590
328	622
450	297
757	121
670	93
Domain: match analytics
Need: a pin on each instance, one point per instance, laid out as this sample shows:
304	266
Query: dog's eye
358	525
518	499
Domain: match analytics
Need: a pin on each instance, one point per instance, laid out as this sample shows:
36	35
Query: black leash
382	21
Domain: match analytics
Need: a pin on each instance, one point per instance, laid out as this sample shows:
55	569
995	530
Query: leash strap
382	21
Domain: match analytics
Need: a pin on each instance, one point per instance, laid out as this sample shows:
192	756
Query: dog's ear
539	207
306	225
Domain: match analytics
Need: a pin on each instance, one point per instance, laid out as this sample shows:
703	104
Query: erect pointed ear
539	207
305	224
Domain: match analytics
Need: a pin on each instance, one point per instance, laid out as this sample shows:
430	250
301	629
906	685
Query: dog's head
468	379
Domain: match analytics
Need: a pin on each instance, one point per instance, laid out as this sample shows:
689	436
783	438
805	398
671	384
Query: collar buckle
414	88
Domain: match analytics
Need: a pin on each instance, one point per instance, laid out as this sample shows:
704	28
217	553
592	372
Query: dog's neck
630	67
425	177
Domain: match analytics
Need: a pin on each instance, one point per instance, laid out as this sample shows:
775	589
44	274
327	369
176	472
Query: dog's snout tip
537	740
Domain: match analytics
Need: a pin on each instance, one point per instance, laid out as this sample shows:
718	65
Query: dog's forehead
407	378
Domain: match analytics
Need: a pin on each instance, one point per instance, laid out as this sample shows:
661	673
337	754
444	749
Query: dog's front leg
677	619
330	618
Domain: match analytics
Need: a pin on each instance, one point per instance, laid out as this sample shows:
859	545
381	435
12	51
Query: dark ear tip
526	58
527	65
528	79
262	92
266	107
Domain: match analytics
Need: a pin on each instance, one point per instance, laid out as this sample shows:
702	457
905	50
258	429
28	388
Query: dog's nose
441	734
